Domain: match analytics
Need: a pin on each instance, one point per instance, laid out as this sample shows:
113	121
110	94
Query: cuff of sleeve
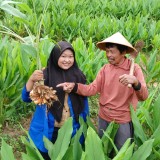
138	87
75	88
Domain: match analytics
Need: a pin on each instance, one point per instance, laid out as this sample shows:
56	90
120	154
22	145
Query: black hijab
54	75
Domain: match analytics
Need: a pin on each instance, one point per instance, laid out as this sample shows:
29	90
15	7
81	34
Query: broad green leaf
69	154
29	50
152	60
14	101
82	123
31	149
138	130
108	138
147	117
156	111
3	42
4	67
30	146
143	151
77	148
25	7
156	136
27	157
62	143
12	81
129	152
89	122
6	151
83	156
93	146
13	11
123	150
48	144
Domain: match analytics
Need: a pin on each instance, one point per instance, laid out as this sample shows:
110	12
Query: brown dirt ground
15	134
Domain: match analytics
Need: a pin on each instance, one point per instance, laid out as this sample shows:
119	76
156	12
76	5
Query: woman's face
66	60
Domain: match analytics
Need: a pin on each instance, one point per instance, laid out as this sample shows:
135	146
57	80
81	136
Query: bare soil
13	133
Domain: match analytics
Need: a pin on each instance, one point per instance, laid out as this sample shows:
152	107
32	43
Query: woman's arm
35	77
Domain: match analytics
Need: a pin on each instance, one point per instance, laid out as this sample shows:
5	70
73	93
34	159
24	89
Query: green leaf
31	149
156	136
93	146
129	152
6	151
157	153
61	145
30	146
13	11
156	111
26	8
29	50
82	123
89	122
147	117
138	130
152	61
74	151
48	144
108	138
143	151
27	157
4	67
123	150
77	148
69	154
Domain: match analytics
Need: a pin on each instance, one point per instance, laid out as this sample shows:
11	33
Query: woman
61	67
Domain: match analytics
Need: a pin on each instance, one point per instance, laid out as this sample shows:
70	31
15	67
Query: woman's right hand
36	76
67	86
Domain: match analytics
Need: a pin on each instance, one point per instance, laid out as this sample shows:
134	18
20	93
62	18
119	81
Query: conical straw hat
116	38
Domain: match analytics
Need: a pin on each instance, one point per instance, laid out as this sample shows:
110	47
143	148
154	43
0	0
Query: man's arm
83	89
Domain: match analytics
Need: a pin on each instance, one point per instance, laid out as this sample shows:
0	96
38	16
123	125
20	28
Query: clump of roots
42	94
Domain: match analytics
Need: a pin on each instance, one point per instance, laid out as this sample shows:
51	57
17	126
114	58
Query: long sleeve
92	88
85	112
25	95
141	94
114	97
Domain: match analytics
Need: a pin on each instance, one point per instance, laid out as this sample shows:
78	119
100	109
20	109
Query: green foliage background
30	28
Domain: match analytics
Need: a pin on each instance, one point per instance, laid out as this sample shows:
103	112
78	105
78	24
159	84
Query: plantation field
28	31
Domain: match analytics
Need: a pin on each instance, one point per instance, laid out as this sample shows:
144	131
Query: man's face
114	56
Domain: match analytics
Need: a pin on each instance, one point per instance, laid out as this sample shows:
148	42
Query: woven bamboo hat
116	38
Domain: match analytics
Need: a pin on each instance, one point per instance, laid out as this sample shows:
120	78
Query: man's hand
67	86
126	79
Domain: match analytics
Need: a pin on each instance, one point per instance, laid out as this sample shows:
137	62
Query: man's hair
120	47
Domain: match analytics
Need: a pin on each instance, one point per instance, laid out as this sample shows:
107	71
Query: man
112	84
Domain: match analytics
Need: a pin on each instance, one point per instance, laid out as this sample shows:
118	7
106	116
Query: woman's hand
36	76
67	86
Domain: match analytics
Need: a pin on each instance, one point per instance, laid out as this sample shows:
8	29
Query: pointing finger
61	85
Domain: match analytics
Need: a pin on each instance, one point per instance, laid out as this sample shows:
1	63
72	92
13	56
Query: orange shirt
115	98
